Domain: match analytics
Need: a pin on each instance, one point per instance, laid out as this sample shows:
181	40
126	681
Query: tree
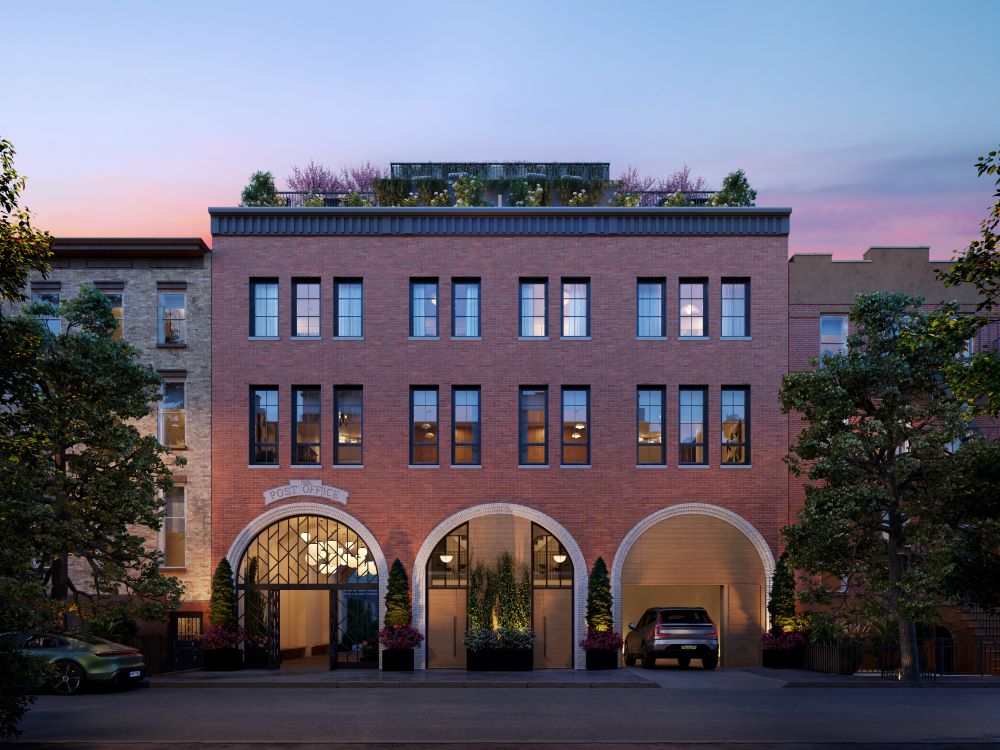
360	179
735	191
314	178
397	596
222	605
23	248
599	616
877	448
781	606
260	191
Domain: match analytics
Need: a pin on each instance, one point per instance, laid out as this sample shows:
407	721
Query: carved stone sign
306	488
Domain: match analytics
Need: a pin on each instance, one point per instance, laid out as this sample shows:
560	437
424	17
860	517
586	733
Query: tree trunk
60	584
909	652
909	655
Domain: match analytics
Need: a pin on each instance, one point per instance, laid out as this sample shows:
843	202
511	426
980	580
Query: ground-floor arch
480	533
310	583
694	554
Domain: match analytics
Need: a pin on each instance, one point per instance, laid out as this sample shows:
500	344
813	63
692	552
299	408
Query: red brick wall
598	505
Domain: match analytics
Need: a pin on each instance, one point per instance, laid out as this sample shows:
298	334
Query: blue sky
865	118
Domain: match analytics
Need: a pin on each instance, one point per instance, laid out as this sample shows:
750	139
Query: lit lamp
560	559
446	558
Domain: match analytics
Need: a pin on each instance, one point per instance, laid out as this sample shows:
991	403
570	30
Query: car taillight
661	630
123	652
713	633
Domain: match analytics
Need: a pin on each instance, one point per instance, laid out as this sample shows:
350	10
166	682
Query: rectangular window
649	426
576	426
172	318
832	335
692	300
423	425
349	407
172	415
115	292
465	427
423	308
174	522
465	307
692	428
735	425
652	308
264	307
347	308
533	419
735	307
305	307
575	308
306	429
49	320
534	307
263	425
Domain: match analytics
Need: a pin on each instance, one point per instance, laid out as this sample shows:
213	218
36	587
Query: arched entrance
557	570
308	589
695	554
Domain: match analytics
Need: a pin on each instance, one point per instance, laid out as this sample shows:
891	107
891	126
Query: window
550	563
172	415
172	317
692	432
349	407
423	426
735	307
449	563
305	431
576	426
575	308
692	299
465	308
114	291
263	425
305	307
652	310
649	426
735	425
347	308
534	307
532	420
424	308
49	320
465	427
173	528
832	335
264	307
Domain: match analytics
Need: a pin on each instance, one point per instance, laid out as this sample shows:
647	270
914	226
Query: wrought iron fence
165	654
937	657
297	199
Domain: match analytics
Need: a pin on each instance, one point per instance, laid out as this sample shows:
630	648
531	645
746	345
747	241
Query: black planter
223	659
500	660
397	660
602	658
783	658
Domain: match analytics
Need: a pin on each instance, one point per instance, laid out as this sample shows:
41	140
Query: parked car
681	633
82	659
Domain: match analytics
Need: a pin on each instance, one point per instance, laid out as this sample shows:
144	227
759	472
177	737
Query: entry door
273	618
446	612
553	623
353	628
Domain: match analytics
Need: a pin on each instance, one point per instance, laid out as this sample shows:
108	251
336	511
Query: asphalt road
363	718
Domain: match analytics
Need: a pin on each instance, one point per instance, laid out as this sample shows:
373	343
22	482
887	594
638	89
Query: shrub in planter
222	640
469	191
784	650
397	637
499	617
603	643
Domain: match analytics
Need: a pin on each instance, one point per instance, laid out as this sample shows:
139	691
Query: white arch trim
261	522
419	598
687	509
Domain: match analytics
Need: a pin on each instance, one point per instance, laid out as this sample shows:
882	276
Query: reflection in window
348	405
832	335
692	427
264	416
424	426
117	309
49	320
550	563
465	301
173	527
348	308
173	318
172	415
533	311
649	417
449	563
576	308
735	307
575	426
306	430
423	308
465	426
735	426
651	307
532	419
305	299
692	301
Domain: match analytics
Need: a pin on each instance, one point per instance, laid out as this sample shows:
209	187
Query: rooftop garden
505	184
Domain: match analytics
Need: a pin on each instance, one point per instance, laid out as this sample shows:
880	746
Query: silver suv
681	633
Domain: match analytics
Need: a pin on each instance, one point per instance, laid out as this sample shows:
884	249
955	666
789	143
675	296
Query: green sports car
80	659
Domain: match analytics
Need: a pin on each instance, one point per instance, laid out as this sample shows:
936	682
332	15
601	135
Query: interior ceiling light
446	558
560	559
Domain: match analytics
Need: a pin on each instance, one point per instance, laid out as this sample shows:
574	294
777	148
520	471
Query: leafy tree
222	605
313	178
880	426
735	191
781	607
599	601
22	247
397	596
260	191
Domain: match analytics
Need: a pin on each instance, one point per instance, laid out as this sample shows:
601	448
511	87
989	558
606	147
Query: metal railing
647	198
938	656
297	199
165	654
501	170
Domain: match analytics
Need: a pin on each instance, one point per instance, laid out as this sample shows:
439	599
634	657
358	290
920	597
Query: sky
865	118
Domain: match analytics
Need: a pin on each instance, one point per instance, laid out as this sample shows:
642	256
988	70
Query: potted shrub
784	646
223	639
499	637
784	650
603	643
398	638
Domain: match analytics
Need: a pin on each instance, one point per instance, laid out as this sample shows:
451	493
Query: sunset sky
130	119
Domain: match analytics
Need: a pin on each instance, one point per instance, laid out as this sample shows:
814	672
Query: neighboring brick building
439	385
161	292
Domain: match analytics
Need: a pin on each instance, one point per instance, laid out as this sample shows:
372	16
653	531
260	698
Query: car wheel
684	661
69	678
648	658
710	662
629	659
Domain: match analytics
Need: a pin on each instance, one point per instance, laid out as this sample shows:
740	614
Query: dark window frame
296	389
255	282
745	281
704	306
182	565
336	426
585	280
254	443
522	427
477	444
414	280
437	421
747	435
454	306
545	306
663	425
563	445
704	426
295	306
660	281
337	281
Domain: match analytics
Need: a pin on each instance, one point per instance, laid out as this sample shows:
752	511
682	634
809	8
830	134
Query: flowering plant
409	201
400	636
783	641
580	198
440	199
629	200
218	636
601	640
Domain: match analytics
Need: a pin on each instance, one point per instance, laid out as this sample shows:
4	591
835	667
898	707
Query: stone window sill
737	338
692	466
466	338
424	338
348	338
650	466
307	338
171	346
574	338
466	466
425	466
693	338
347	466
532	466
532	338
305	466
574	466
650	338
736	466
263	338
263	466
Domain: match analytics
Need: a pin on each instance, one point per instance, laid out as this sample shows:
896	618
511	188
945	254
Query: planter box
500	660
783	658
602	658
397	660
223	659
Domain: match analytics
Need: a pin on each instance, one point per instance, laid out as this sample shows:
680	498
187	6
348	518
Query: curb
896	685
312	684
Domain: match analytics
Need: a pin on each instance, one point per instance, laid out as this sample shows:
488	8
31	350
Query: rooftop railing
299	199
